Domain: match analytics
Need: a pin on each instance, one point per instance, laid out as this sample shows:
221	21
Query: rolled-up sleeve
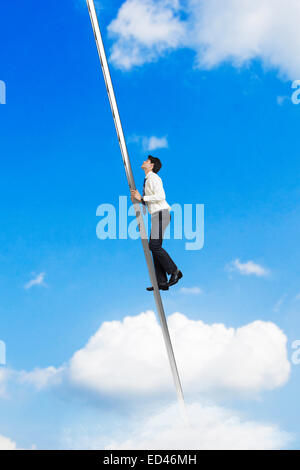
155	186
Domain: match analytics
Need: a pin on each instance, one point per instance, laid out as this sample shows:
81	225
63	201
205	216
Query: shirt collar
149	174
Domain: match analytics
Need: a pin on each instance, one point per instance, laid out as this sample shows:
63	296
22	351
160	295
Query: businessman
154	199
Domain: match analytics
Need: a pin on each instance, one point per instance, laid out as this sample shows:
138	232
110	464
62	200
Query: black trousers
163	263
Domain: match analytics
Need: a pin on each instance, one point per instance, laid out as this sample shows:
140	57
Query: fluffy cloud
128	358
145	29
210	428
218	31
7	444
210	359
249	359
248	268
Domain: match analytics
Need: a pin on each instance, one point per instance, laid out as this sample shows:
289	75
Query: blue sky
232	146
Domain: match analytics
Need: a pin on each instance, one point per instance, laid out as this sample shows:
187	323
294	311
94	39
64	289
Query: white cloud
128	359
211	359
153	143
37	281
211	428
149	143
7	444
145	29
247	360
38	378
191	290
41	378
248	268
4	375
231	30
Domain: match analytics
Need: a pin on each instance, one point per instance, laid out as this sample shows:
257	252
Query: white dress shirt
155	197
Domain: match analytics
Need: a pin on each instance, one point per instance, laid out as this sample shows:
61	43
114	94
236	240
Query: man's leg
161	274
159	222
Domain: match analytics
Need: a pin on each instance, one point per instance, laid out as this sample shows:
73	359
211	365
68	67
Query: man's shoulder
155	176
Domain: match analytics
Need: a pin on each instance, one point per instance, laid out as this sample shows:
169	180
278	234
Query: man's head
152	164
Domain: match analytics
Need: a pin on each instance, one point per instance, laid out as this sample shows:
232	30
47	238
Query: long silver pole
131	183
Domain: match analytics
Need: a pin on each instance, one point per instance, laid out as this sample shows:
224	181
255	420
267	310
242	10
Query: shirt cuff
153	198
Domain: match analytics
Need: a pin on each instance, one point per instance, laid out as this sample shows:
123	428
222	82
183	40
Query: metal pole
131	183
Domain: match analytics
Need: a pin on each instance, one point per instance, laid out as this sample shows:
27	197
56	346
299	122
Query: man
155	199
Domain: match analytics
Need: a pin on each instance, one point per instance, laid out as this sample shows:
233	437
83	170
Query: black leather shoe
161	287
175	278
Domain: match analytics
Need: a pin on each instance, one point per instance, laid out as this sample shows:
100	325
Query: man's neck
146	172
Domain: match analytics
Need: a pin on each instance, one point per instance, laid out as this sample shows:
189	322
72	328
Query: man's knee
154	245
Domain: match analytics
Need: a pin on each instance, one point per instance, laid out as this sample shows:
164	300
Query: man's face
147	165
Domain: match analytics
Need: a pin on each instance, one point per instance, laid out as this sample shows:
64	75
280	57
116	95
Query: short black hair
157	163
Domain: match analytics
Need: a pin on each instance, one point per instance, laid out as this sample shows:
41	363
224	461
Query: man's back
155	196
